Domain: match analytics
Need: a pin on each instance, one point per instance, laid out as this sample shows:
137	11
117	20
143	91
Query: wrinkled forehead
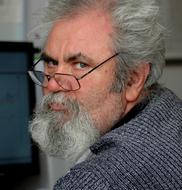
86	31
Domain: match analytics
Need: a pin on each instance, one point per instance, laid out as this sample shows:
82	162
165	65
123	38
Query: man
103	108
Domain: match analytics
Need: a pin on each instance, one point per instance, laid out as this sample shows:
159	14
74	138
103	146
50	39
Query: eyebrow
45	57
67	58
77	57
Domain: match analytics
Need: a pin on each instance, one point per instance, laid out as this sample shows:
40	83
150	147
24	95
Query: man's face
79	44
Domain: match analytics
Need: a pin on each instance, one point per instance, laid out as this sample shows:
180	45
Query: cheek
45	91
96	86
104	107
92	93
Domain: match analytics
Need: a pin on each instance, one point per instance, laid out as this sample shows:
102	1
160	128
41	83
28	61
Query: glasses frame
77	78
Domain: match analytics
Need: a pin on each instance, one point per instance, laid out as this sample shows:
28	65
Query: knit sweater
143	152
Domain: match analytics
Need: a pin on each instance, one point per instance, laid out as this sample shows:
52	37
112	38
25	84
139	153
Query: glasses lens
67	82
38	77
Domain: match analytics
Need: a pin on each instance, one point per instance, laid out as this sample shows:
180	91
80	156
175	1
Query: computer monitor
18	155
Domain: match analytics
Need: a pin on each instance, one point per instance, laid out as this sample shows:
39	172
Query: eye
80	65
50	63
50	67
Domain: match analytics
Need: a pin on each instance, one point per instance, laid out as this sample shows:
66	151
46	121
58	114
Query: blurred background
17	19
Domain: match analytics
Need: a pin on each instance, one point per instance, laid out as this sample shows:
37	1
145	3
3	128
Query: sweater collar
132	113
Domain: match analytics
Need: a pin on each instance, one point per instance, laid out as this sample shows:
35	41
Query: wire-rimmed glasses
67	82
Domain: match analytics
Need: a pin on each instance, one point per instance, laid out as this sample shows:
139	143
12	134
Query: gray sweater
143	151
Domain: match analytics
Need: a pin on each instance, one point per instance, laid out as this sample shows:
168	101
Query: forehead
87	33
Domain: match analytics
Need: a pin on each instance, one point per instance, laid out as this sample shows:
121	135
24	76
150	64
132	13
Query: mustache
71	106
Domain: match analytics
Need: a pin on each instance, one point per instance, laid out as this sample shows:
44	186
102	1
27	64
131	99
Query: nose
53	86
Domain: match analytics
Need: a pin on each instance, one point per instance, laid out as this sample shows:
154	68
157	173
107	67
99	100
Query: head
84	34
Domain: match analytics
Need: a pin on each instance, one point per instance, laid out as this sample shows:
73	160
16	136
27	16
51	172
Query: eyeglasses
68	82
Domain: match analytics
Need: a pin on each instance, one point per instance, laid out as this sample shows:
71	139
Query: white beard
60	137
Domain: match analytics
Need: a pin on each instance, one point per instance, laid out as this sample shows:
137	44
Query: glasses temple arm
97	66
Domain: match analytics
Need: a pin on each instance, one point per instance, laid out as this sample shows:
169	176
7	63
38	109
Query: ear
136	82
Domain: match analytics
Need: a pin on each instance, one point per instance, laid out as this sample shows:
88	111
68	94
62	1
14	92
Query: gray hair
137	35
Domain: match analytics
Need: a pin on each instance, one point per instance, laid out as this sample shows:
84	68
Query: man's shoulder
144	152
83	176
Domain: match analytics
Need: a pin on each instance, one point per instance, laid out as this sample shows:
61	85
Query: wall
171	16
172	77
12	20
